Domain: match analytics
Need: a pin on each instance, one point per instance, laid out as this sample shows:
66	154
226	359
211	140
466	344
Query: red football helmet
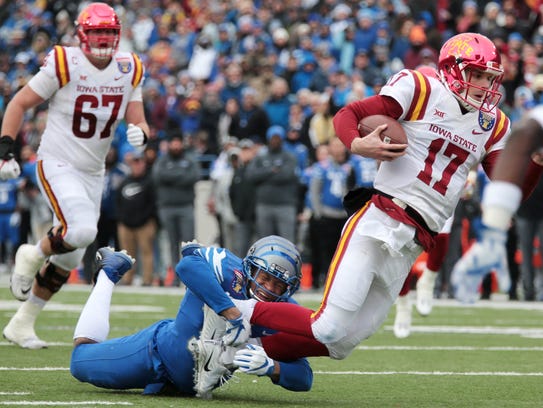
99	30
428	70
459	57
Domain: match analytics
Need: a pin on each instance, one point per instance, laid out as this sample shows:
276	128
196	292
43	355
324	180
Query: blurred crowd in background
242	94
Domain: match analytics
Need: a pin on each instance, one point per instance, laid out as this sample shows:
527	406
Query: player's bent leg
402	321
20	329
121	363
28	261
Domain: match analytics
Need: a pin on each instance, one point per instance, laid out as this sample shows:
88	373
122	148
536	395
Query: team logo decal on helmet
99	30
459	57
277	257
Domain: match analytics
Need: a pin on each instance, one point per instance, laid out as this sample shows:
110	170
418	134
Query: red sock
407	284
437	255
284	317
287	347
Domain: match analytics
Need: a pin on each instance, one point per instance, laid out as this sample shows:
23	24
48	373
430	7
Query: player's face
270	283
482	81
102	42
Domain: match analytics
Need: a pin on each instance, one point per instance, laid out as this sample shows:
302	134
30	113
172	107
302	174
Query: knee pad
57	241
51	279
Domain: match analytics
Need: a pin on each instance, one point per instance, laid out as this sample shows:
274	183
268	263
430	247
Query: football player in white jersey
501	199
452	124
90	89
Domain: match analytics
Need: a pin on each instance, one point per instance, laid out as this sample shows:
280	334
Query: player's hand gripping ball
394	133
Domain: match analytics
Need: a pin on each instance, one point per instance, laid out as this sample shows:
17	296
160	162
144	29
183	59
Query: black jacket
136	201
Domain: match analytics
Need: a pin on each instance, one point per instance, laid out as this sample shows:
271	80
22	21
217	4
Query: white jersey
443	146
85	104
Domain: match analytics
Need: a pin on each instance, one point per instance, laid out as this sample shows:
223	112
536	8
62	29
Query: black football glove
6	147
9	168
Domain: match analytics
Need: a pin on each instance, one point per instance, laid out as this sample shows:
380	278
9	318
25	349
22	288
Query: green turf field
485	356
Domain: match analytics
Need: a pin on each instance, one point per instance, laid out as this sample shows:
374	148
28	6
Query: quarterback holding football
452	124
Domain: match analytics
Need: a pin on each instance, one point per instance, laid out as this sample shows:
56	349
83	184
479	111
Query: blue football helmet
277	257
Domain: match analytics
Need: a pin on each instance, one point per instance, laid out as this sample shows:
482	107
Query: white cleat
402	321
214	326
19	333
425	292
28	261
209	371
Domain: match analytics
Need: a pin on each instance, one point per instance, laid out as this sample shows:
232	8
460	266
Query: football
394	133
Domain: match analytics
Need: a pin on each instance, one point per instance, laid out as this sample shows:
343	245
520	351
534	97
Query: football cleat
22	334
214	326
28	262
114	263
402	321
209	371
425	292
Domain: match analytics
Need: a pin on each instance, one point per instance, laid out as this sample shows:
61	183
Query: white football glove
9	169
135	135
484	256
253	360
15	219
237	332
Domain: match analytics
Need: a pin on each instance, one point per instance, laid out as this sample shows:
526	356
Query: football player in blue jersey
161	357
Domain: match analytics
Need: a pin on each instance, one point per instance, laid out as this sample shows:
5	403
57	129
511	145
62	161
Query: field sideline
486	355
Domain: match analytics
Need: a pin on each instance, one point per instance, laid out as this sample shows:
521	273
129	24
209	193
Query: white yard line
63	403
446	348
435	373
522	331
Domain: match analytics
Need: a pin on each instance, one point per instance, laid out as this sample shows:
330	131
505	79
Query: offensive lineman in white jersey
90	88
452	124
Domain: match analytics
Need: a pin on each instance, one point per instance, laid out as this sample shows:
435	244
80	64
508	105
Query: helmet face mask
99	31
273	269
465	57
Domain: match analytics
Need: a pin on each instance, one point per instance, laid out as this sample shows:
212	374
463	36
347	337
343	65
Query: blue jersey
8	195
365	170
335	180
8	202
158	355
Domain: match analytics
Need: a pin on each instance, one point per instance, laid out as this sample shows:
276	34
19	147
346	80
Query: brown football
394	133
